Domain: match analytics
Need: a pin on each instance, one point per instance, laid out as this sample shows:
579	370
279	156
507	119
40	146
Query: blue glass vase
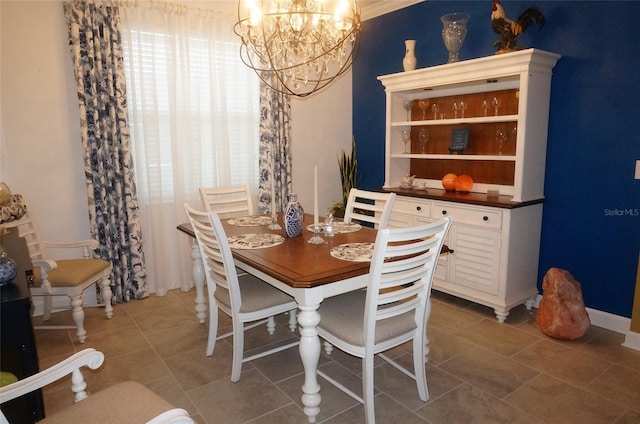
293	216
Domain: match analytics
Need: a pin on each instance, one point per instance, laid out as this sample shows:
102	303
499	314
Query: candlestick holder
274	222
316	238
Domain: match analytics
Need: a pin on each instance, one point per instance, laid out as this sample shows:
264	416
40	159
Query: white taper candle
273	190
315	196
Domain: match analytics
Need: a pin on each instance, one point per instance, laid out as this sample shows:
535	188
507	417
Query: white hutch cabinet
501	104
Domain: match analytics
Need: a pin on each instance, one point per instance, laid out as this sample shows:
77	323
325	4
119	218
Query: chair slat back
214	249
228	202
27	230
369	206
401	273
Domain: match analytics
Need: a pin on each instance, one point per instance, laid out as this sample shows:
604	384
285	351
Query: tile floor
479	371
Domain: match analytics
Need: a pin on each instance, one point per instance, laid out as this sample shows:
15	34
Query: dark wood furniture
18	353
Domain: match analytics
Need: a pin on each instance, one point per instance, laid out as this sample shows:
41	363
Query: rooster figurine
509	30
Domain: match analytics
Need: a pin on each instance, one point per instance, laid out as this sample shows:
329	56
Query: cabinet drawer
413	207
478	216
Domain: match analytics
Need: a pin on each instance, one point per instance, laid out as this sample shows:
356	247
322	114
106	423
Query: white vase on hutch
409	60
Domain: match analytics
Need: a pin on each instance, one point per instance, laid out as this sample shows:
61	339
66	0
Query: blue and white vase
293	216
8	269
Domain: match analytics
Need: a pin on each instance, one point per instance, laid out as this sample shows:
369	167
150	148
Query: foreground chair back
228	202
393	310
65	277
127	402
245	298
369	206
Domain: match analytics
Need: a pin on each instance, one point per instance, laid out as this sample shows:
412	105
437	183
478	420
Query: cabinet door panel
475	262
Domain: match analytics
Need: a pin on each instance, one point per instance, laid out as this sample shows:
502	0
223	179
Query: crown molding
383	7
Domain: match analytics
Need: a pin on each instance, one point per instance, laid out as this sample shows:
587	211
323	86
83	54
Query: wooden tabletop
296	262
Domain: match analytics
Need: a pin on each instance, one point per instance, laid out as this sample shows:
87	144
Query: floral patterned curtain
275	148
95	44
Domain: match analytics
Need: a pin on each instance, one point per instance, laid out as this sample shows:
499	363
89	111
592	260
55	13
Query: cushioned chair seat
129	402
342	316
256	295
72	272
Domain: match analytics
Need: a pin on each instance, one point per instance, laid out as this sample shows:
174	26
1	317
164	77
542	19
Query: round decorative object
464	183
8	269
449	182
5	194
293	216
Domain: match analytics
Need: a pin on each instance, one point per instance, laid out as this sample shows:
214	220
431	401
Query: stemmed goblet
462	106
406	138
485	107
496	105
423	137
423	105
435	110
407	105
455	110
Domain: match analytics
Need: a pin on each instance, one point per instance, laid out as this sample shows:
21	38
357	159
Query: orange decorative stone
562	313
464	183
449	182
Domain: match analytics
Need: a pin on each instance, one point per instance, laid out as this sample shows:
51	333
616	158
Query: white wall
40	148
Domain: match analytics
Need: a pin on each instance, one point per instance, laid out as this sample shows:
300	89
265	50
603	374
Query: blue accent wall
591	221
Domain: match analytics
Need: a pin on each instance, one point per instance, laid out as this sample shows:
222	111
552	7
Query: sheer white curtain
194	116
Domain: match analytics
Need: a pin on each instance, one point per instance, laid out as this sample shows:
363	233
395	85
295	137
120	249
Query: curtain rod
173	8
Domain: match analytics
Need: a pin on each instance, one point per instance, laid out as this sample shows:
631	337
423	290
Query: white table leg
198	280
308	318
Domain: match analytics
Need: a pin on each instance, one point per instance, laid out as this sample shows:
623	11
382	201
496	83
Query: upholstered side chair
370	207
228	202
393	310
245	298
64	277
128	402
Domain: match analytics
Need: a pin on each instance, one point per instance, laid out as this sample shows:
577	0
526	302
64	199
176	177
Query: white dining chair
245	298
228	202
125	402
369	206
393	310
64	277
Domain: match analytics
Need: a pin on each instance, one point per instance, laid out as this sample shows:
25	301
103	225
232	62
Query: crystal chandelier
298	47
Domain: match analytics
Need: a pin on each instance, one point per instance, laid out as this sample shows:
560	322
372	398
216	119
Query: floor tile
558	402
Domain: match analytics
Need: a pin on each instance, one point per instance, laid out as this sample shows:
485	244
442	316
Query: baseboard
632	340
611	322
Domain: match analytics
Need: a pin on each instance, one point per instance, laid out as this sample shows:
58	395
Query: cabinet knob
485	218
444	212
418	208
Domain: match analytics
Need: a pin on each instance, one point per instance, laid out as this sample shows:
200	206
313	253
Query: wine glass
407	105
485	107
501	137
423	105
496	105
423	137
514	134
455	110
462	106
435	110
406	138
